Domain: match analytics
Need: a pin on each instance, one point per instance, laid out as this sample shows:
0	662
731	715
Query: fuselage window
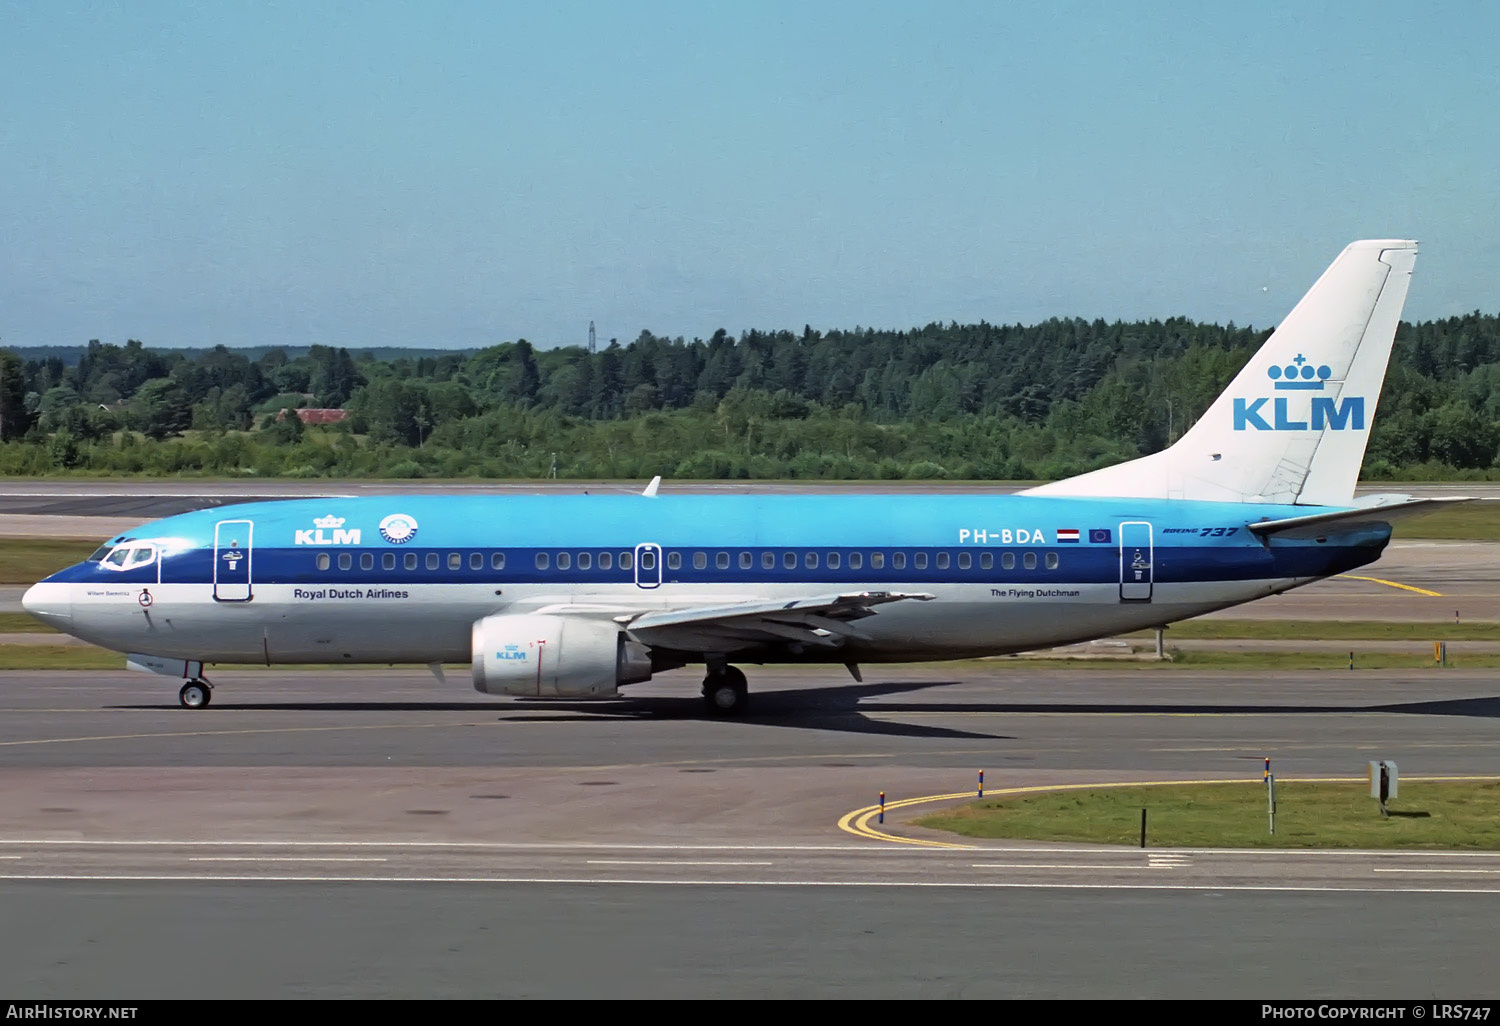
965	560
986	561
920	559
877	560
564	561
700	560
542	561
585	560
768	560
722	561
834	560
898	560
810	560
323	561
367	561
432	560
942	560
606	560
345	561
674	561
789	560
856	560
410	561
497	561
1007	560
648	559
626	561
476	561
1029	559
388	561
1051	561
745	560
455	561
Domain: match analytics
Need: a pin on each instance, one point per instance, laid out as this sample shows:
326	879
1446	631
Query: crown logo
329	521
1299	376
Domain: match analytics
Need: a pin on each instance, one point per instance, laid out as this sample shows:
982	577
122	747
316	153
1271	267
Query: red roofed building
316	416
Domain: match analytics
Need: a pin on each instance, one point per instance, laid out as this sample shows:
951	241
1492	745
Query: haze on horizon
458	174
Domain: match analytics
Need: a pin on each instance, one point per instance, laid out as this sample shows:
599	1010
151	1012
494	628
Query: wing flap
823	620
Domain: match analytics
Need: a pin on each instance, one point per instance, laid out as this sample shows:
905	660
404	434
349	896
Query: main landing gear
725	691
195	694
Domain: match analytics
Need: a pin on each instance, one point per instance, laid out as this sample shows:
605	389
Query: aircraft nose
50	602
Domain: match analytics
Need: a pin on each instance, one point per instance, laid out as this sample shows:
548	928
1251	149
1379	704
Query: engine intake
557	656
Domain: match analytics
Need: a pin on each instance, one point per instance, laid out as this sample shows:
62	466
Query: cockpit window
128	557
99	553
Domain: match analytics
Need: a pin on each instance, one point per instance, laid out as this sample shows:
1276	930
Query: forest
963	402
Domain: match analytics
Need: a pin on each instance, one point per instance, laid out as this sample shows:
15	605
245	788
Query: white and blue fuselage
322	581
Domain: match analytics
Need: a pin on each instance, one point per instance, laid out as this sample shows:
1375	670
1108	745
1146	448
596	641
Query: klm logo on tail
1300	376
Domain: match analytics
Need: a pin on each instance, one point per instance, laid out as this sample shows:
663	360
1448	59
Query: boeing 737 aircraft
578	595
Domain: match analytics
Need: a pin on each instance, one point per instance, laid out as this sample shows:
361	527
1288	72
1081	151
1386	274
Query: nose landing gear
195	694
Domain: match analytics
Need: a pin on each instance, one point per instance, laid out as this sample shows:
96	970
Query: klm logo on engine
511	652
1324	414
328	530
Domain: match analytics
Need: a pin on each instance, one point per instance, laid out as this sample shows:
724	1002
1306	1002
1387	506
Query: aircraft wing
1316	524
823	620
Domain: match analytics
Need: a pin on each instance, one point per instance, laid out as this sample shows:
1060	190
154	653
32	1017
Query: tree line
977	401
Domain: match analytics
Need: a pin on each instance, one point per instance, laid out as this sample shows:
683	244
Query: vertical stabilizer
1293	425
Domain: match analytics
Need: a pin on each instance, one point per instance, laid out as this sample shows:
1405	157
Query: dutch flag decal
1067	534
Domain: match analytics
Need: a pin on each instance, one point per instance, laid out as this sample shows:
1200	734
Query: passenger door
1135	561
232	552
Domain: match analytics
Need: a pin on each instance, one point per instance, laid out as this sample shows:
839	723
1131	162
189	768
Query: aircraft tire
195	694
727	693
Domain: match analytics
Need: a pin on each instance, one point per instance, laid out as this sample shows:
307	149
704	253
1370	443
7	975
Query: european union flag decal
1099	535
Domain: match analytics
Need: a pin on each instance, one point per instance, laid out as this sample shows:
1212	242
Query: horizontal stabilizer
1316	524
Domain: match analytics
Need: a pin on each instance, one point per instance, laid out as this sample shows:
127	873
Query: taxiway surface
375	833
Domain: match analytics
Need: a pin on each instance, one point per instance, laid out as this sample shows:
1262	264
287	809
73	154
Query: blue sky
458	174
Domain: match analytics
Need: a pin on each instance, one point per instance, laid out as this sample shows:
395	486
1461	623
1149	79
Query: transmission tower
591	336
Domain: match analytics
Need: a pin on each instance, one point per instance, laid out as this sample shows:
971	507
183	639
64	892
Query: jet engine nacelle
558	656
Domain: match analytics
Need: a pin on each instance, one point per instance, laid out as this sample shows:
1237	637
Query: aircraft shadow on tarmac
838	707
831	708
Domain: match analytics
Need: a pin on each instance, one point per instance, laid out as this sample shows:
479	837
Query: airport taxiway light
981	783
1267	775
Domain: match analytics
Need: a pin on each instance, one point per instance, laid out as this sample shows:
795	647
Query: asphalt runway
377	833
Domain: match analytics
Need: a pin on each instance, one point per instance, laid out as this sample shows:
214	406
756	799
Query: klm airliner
579	595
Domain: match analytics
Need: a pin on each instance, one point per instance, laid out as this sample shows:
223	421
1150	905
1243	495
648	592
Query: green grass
1325	660
1427	814
59	657
1330	630
1471	521
28	560
23	623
